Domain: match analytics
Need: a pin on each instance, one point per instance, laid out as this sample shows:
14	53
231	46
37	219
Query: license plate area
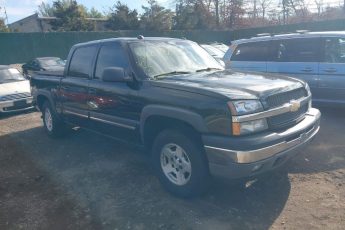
20	103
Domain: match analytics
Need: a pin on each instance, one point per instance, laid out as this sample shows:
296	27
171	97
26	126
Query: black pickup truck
170	97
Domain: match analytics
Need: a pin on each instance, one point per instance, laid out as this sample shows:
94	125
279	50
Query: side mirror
114	74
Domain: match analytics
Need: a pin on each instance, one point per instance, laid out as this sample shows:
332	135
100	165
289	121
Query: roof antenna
140	37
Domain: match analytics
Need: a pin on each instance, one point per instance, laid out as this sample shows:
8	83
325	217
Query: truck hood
14	88
234	85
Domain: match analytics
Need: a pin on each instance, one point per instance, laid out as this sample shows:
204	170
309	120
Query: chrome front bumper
9	106
286	143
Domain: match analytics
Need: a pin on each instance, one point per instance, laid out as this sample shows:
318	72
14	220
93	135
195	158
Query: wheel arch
43	96
156	118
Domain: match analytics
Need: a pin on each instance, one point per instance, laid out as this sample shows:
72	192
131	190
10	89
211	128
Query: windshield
10	75
157	58
213	51
51	62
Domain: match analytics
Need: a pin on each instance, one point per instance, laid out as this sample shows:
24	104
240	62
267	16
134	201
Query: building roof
23	19
44	18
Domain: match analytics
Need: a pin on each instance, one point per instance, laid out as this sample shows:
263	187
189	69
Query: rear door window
297	50
81	62
252	51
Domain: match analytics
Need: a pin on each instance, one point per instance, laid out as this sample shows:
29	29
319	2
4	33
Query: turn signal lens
248	127
236	128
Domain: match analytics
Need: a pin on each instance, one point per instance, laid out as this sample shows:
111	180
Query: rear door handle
330	70
64	87
92	91
307	69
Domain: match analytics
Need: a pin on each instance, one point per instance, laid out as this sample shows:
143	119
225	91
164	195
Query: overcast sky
17	9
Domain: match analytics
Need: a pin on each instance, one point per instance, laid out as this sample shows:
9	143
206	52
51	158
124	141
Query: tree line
73	16
188	14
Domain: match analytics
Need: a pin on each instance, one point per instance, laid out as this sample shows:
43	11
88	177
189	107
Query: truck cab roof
127	39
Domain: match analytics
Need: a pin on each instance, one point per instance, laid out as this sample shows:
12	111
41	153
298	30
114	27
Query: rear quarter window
334	50
252	51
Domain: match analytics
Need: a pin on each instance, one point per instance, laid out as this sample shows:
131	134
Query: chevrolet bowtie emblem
294	105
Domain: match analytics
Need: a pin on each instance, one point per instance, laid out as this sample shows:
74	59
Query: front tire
180	163
53	125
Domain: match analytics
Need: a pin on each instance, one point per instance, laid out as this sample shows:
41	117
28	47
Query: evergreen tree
122	18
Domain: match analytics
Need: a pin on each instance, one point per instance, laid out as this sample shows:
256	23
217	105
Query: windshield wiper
207	69
11	80
171	73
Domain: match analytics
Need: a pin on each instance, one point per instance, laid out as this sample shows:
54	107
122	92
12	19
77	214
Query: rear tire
180	163
53	125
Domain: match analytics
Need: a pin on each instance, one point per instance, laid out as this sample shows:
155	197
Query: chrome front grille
280	99
17	96
289	118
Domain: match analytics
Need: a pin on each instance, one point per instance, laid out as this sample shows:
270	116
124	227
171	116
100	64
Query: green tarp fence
21	47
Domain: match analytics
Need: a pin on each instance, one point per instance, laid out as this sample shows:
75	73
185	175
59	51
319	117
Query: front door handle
330	70
307	70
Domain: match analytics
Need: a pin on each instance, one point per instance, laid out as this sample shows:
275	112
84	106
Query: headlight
245	107
249	127
307	88
309	93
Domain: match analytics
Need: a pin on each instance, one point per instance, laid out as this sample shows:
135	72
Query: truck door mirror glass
114	74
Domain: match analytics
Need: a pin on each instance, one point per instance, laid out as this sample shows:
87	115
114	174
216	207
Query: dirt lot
85	181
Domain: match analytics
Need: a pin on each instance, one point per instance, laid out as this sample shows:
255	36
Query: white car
15	93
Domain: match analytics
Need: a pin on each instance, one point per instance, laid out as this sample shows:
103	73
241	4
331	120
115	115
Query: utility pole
217	12
6	17
285	11
5	12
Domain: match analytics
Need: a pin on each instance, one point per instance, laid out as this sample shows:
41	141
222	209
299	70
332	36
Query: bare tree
255	11
264	6
298	6
234	11
319	4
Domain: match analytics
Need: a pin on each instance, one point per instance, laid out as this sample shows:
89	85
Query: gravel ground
85	181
